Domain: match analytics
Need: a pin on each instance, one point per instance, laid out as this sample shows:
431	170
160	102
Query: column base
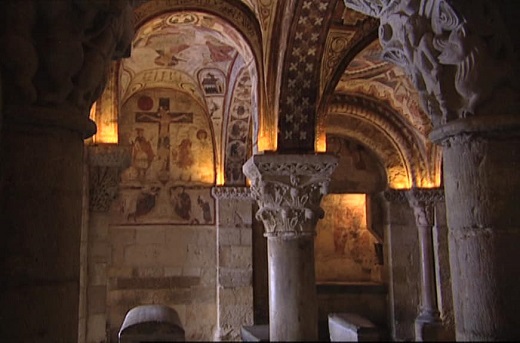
255	333
431	331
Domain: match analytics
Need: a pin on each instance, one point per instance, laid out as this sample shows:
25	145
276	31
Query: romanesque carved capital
56	54
105	164
226	192
395	195
288	190
457	53
422	201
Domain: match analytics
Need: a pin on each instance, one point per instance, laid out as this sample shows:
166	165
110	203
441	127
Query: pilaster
235	261
288	190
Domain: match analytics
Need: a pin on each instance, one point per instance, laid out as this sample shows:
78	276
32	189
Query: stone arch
395	164
248	26
422	165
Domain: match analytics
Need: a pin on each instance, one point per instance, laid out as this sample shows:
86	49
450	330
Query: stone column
288	190
482	185
423	202
235	261
53	68
463	59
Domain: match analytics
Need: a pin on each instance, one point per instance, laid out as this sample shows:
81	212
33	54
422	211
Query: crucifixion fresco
164	118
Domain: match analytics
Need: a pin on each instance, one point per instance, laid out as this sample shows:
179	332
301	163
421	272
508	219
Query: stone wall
136	265
167	265
204	272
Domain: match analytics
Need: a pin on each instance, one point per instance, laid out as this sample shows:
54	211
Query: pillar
423	202
482	185
51	75
234	261
462	57
288	190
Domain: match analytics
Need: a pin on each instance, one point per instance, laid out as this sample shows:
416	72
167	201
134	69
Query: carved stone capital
105	165
396	195
226	192
459	54
423	201
56	54
288	190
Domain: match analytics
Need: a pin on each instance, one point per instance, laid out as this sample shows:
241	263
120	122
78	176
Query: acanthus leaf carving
288	190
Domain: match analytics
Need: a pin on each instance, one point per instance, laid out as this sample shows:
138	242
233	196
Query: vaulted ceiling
281	75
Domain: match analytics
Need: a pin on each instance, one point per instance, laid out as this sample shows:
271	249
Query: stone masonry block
150	235
246	236
235	256
97	299
230	277
228	236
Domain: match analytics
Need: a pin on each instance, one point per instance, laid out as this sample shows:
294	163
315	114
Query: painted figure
142	154
181	202
206	211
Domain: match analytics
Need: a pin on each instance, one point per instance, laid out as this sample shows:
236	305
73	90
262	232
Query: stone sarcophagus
151	323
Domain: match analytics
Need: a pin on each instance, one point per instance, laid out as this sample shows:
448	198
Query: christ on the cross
164	118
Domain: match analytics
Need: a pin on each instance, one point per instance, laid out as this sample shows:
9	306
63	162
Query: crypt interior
259	168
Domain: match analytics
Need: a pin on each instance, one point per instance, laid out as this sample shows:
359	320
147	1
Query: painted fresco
368	73
358	171
237	149
172	167
344	247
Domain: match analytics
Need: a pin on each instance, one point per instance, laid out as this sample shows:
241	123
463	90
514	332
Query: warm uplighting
400	185
321	143
106	122
220	176
267	142
429	184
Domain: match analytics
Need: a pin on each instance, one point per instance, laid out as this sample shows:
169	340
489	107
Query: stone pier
55	73
481	162
464	63
288	190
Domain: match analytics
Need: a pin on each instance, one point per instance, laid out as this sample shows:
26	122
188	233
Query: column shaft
40	221
288	190
482	197
428	295
292	289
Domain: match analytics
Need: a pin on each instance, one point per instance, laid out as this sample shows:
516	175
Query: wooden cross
164	118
